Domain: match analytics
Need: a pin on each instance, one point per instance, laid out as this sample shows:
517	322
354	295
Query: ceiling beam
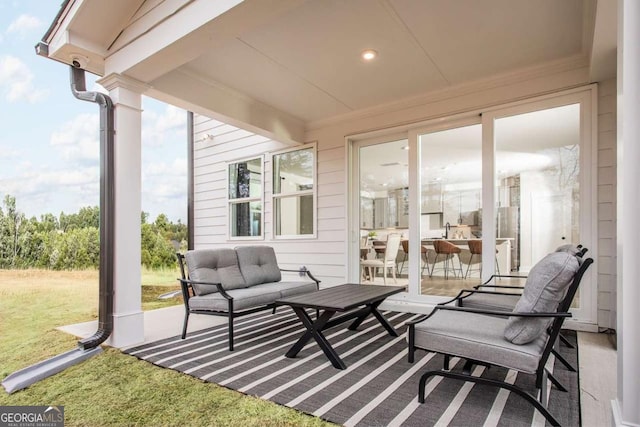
187	90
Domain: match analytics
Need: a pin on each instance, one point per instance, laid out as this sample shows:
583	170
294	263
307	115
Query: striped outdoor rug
378	388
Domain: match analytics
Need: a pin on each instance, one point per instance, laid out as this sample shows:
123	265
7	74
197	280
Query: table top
341	298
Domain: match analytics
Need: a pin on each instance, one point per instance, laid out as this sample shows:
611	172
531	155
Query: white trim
314	192
231	202
616	415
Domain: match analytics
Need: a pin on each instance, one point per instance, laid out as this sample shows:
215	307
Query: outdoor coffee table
328	302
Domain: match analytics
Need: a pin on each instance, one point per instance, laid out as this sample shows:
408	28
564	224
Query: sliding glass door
450	208
492	192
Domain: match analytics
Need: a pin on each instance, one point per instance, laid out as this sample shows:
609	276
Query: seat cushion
288	289
477	337
242	299
545	287
497	302
258	264
214	266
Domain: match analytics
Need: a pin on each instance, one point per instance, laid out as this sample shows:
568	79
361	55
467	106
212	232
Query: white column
626	408
128	316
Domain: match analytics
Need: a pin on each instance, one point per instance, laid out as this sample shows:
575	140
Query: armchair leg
412	348
184	327
479	380
230	332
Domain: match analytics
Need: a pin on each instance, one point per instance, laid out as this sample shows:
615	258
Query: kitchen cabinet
431	198
461	207
366	213
380	212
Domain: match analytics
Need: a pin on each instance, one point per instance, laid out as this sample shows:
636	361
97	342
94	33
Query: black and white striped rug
378	388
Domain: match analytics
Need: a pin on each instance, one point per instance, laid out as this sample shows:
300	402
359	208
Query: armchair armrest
500	276
501	313
302	271
487	313
464	293
186	282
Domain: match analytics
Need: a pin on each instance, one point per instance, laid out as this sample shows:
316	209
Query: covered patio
282	89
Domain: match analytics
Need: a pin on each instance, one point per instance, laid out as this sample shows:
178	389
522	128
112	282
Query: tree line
72	241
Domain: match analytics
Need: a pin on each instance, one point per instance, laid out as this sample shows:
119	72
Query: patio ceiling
296	64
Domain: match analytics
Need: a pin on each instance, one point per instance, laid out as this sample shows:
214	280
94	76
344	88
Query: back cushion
258	264
214	266
545	288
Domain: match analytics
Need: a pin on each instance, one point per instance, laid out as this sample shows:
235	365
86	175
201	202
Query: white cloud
7	152
78	139
177	168
16	80
156	127
24	24
41	191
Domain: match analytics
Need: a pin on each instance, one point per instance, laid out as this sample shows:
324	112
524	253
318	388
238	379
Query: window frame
279	196
232	202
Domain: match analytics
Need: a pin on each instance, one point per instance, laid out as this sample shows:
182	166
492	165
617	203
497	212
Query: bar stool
475	247
423	252
448	249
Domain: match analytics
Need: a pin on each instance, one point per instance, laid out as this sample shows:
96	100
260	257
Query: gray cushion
546	286
477	337
288	289
215	266
242	299
258	264
491	302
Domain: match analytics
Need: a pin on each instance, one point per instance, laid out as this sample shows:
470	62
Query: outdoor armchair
505	297
521	340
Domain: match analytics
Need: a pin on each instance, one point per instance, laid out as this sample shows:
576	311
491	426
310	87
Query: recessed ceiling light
369	54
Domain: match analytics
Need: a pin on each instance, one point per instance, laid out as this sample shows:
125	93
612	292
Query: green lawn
111	388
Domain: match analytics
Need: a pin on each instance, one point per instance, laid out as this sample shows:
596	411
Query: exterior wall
210	199
607	204
326	255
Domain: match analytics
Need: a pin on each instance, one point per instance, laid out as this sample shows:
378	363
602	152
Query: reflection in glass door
450	209
537	185
383	207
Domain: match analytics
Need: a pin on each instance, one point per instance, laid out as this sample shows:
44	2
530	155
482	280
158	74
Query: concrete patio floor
597	357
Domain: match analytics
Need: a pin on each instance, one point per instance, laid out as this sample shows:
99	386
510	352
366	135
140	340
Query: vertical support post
626	410
128	317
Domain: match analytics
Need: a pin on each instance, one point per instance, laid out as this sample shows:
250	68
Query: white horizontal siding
216	144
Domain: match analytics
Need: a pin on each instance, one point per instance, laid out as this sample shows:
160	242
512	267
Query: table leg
314	330
373	309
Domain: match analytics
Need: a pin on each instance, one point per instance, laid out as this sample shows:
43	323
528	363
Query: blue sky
49	141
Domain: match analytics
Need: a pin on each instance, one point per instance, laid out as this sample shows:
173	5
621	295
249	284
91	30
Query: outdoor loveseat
235	282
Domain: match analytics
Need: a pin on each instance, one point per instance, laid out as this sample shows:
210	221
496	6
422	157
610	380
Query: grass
111	388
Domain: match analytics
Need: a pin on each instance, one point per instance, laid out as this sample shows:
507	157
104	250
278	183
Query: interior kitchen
537	196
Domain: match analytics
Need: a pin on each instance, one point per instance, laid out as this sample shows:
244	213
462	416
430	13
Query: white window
245	184
294	193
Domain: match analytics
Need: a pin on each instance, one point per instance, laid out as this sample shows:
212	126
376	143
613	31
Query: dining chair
387	262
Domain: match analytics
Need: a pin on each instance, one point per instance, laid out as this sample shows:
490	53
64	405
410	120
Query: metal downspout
107	205
190	184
